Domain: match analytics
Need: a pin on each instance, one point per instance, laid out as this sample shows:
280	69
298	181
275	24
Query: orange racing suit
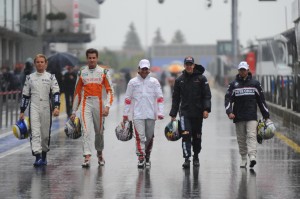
88	99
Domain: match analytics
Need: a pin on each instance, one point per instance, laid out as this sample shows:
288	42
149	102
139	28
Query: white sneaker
252	161
148	163
141	163
86	162
243	163
101	161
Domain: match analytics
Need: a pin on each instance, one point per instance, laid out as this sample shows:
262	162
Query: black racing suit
242	98
191	97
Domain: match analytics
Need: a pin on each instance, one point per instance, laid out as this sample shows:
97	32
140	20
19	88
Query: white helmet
265	130
124	131
73	128
21	129
172	131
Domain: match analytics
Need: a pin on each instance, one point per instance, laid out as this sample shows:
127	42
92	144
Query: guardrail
9	108
282	90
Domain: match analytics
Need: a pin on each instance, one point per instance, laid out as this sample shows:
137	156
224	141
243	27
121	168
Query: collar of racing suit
40	73
140	77
248	77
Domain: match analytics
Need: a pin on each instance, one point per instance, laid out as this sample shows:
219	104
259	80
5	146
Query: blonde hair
41	55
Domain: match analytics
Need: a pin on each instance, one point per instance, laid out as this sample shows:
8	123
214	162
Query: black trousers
69	102
193	139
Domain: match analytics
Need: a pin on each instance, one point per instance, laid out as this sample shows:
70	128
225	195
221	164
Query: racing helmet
172	130
21	129
124	131
265	130
73	128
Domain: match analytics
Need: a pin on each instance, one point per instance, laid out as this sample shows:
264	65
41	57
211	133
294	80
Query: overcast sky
199	24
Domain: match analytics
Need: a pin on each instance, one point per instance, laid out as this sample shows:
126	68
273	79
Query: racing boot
44	158
196	162
243	163
101	160
148	162
252	161
38	160
86	162
186	163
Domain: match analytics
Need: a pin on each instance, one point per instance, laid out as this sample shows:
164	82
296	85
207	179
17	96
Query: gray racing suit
37	90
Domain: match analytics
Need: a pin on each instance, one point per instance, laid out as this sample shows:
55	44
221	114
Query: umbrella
58	61
175	68
155	69
125	70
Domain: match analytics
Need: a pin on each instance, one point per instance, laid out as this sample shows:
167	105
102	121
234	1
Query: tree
109	58
30	16
178	38
158	38
58	16
132	42
131	61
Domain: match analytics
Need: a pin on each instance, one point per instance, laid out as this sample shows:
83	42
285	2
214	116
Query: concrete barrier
286	118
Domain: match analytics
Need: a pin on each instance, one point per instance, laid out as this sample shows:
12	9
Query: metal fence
9	108
282	90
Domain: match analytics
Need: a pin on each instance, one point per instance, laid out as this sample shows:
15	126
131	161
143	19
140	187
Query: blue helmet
21	128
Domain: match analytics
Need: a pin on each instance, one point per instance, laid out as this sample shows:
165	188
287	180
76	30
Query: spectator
17	77
127	77
28	69
6	79
162	81
69	81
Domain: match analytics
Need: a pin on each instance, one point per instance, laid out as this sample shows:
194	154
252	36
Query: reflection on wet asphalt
276	175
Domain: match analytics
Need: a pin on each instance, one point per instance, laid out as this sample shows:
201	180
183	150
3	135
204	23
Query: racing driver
91	80
38	88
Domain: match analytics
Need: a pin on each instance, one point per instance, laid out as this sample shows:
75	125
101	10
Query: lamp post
234	32
146	25
234	28
41	19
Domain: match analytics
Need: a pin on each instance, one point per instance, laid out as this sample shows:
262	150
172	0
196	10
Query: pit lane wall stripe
288	141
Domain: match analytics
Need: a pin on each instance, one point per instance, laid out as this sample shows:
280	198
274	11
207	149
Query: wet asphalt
276	175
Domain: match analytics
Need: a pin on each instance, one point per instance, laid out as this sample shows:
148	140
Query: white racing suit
38	90
144	101
88	96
